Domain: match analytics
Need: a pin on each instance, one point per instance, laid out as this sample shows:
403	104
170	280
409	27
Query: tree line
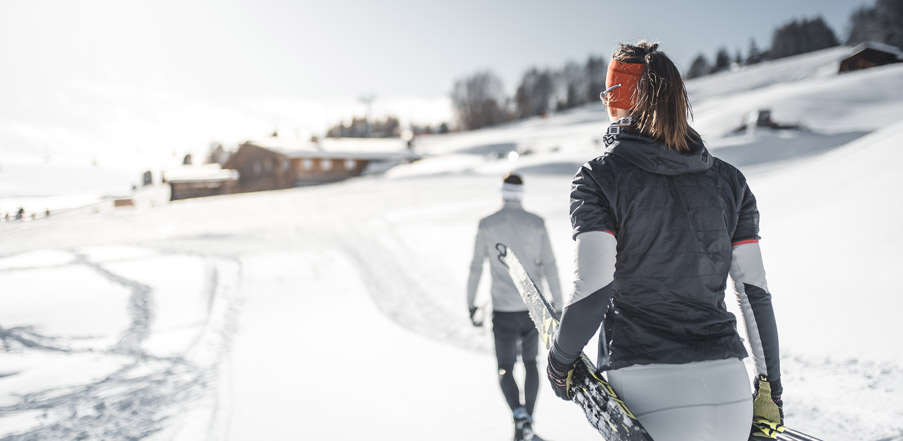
881	22
479	99
388	127
793	38
362	127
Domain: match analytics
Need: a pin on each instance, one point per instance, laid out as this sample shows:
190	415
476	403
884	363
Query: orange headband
627	75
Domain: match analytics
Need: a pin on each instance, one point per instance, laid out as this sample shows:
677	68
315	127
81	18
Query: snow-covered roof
200	173
339	148
877	46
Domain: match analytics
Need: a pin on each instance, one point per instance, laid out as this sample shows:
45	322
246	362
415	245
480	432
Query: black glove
560	376
476	323
768	409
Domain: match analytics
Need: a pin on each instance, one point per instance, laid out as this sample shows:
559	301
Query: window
307	164
326	164
285	164
349	164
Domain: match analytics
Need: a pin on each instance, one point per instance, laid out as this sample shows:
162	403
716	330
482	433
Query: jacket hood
655	157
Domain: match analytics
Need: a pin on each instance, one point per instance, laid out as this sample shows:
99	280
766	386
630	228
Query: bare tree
478	100
882	22
891	13
572	86
864	25
535	93
596	71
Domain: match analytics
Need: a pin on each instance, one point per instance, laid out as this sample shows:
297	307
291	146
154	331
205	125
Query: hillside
338	311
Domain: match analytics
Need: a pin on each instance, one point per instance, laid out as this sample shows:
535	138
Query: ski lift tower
368	100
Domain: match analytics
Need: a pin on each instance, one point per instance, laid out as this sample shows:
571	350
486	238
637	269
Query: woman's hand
560	376
768	409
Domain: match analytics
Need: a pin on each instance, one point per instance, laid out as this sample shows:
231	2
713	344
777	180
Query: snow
338	311
846	237
791	70
36	259
86	345
54	186
50	308
352	148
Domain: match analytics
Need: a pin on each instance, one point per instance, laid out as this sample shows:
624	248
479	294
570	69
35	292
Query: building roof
877	46
200	173
338	148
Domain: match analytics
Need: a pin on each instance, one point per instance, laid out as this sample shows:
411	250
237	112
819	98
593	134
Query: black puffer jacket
675	217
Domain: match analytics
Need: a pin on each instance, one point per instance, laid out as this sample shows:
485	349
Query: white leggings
701	401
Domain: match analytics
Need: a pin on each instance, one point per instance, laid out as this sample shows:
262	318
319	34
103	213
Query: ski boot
523	426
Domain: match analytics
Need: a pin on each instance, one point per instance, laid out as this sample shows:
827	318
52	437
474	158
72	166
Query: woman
659	225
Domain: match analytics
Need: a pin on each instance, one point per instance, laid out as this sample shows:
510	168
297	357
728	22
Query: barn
200	180
274	163
870	54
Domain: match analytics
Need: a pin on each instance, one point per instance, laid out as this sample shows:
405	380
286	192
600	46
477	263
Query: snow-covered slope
833	108
338	312
805	67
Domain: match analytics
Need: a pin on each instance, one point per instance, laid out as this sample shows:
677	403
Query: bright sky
127	77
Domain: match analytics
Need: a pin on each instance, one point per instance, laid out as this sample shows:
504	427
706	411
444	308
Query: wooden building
199	181
272	164
260	168
870	54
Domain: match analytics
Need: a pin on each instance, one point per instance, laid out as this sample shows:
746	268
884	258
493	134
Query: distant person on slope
525	234
659	225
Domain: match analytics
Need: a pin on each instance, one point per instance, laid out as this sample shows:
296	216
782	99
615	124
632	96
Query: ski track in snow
140	307
408	297
414	302
418	301
142	398
27	337
138	399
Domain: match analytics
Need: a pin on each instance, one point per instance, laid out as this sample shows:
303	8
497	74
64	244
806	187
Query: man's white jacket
525	234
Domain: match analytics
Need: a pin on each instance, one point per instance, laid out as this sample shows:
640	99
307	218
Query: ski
800	435
795	435
600	403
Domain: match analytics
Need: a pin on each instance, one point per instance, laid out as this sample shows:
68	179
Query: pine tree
699	67
722	60
798	37
754	55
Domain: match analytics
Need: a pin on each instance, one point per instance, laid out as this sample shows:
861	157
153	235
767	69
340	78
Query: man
525	234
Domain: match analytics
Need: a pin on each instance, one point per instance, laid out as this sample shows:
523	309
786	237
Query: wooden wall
260	169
